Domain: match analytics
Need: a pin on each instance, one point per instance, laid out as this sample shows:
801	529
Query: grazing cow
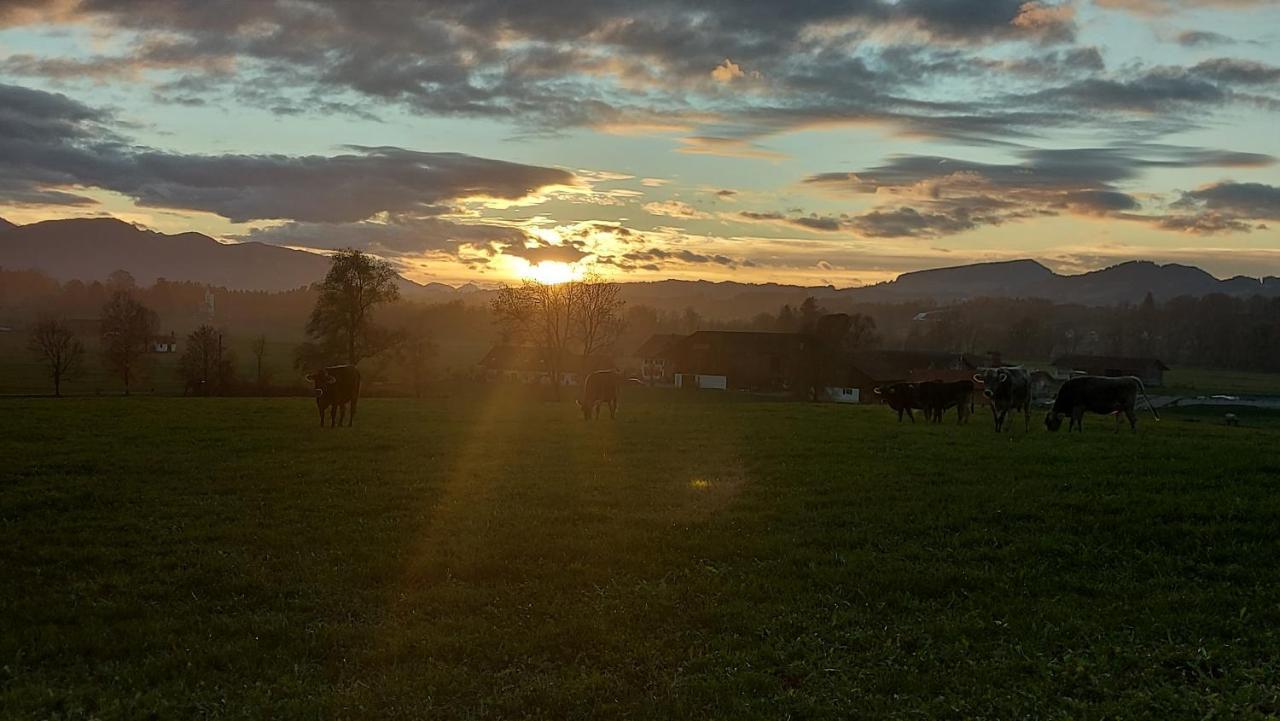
601	387
1097	394
336	387
937	396
1007	389
901	397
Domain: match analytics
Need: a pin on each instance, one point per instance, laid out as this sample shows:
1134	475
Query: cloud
50	143
727	72
675	209
928	196
1197	38
1237	201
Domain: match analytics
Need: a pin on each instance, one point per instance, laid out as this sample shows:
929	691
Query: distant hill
1127	282
91	248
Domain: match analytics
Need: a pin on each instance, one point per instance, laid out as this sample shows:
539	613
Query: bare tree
540	315
259	349
207	365
127	327
598	317
59	350
342	320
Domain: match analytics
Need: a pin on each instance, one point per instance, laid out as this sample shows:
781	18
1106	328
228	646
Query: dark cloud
1241	200
49	143
549	65
1196	38
932	196
396	237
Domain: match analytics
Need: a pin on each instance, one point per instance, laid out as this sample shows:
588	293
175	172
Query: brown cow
336	387
601	387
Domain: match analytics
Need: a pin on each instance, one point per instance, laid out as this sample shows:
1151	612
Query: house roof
1101	361
530	358
657	344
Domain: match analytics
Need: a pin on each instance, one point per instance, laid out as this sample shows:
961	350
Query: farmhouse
735	360
163	344
654	355
528	364
1150	370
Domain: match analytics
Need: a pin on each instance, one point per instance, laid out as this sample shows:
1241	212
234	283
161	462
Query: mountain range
91	248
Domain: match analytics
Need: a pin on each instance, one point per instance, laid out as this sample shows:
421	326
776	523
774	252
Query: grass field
477	556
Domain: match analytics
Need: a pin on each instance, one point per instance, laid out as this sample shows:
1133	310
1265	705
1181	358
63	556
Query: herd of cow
1008	391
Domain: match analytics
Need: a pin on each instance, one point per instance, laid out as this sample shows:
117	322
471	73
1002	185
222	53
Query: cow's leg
995	417
352	420
333	414
910	415
1133	419
613	409
342	413
321	416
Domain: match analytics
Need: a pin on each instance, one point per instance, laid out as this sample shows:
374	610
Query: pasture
476	555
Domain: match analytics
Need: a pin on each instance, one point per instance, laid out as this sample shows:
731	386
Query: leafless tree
127	327
598	318
59	350
540	315
259	349
582	316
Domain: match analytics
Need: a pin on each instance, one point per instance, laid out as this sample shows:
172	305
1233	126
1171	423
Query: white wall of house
844	395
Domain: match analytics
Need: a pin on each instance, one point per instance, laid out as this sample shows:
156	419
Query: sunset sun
551	272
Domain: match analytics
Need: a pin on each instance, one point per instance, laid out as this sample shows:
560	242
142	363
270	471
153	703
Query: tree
207	366
259	349
598	319
121	280
541	315
342	321
582	316
59	350
127	327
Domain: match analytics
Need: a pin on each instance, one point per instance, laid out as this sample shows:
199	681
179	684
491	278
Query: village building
1150	370
732	360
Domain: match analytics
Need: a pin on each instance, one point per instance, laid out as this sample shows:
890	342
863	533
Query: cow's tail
1143	389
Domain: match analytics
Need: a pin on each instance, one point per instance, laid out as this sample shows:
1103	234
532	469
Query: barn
1150	370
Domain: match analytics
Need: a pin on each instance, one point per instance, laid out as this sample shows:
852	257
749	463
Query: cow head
586	410
1053	421
993	380
322	381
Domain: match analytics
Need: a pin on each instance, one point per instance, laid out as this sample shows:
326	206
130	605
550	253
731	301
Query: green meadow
480	554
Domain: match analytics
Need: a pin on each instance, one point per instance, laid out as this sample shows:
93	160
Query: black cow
1097	394
937	396
336	387
1007	389
601	387
901	397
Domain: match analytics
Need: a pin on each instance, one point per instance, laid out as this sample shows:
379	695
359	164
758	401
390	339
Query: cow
601	387
901	397
1097	394
937	396
336	387
1007	389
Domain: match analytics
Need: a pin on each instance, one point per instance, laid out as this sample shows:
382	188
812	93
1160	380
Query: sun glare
551	272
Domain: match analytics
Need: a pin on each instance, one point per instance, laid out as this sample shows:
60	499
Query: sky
810	142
